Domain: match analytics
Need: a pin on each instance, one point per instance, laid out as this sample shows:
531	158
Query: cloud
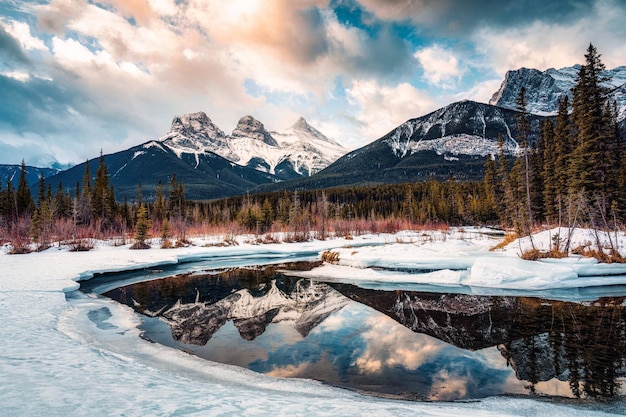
10	50
543	45
441	67
21	32
456	17
381	108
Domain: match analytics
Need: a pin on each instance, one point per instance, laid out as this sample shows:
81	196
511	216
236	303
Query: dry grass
609	257
536	254
330	257
508	239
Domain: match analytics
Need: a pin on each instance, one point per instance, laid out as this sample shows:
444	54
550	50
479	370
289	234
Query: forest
574	175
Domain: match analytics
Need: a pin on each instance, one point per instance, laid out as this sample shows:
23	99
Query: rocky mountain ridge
544	88
300	150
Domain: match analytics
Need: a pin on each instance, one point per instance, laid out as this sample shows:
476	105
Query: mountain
197	305
544	88
12	173
452	141
205	175
300	150
211	163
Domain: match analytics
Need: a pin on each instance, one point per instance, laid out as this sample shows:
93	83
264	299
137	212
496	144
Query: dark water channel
400	344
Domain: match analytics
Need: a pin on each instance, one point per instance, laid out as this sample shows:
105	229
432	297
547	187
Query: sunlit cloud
390	345
441	67
544	45
381	108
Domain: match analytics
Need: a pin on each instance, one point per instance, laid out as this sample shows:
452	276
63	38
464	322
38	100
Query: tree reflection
582	343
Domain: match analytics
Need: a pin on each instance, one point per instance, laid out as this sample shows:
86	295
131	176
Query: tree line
574	174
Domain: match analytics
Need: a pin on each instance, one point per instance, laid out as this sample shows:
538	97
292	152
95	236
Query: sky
78	77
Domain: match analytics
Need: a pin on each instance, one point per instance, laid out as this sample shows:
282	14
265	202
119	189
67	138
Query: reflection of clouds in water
390	345
448	387
346	317
289	371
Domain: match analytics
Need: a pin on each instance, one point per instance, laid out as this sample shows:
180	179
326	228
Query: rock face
249	127
300	150
544	88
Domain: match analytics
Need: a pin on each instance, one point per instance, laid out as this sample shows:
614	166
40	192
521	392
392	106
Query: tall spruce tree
589	169
563	147
548	176
100	199
523	127
24	201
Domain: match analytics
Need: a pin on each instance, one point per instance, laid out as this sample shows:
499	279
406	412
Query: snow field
83	355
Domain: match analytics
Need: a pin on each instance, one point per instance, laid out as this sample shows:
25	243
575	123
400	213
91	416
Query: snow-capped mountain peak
196	125
300	150
545	88
249	127
195	133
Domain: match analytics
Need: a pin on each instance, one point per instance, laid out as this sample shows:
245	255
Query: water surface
395	343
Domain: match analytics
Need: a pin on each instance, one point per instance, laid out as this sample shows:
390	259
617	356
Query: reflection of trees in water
588	340
584	344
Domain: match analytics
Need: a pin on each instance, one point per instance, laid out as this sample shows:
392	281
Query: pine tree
523	127
142	226
159	202
41	190
82	206
24	200
267	215
589	161
490	182
563	148
100	199
550	190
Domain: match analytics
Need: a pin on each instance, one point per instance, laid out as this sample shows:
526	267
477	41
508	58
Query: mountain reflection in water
411	345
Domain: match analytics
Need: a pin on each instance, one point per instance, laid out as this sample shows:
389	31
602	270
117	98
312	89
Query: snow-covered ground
83	356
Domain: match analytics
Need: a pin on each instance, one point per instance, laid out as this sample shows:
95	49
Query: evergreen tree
24	200
100	199
159	202
490	182
142	227
563	148
177	198
550	189
588	170
267	215
9	201
82	206
523	127
41	190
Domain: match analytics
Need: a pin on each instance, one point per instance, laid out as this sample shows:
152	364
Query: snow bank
83	356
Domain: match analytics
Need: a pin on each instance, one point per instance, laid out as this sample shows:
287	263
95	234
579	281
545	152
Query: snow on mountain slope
544	88
300	150
463	128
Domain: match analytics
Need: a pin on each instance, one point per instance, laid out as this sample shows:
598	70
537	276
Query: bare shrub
80	245
330	257
140	245
536	254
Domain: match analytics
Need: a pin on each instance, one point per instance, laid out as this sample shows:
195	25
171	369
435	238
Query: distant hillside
205	175
12	173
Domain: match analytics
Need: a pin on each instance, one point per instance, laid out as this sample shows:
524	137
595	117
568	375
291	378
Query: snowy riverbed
83	356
